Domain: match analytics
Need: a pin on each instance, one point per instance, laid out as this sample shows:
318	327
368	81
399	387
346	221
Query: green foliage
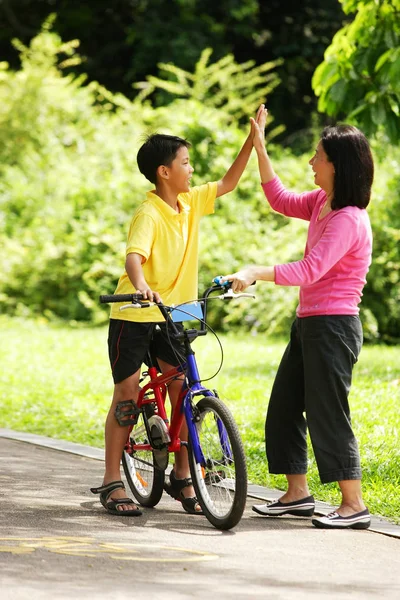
69	184
123	41
360	77
66	185
381	300
235	88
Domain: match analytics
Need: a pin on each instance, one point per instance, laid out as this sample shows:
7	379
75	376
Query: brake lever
230	294
137	305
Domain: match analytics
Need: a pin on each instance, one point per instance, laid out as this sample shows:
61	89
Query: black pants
314	377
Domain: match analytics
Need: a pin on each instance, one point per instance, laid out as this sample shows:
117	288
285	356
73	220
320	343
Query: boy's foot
175	488
300	508
360	520
113	498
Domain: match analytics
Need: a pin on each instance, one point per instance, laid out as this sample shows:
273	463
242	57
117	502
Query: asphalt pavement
57	542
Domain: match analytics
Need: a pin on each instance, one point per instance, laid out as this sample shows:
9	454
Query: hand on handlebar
240	280
148	294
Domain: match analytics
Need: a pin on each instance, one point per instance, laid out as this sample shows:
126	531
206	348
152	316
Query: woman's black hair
349	151
158	149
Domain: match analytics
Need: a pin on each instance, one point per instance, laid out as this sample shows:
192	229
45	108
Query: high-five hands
258	127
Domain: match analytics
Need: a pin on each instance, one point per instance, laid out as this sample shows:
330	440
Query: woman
314	376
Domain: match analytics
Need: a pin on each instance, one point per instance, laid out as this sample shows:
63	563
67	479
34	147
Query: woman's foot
334	520
294	496
300	508
348	510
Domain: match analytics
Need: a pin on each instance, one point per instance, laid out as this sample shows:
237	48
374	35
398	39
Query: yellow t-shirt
169	243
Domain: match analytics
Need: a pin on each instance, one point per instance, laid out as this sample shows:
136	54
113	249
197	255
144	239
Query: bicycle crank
159	440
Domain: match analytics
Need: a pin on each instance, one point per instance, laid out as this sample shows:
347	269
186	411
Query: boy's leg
169	353
127	346
115	435
181	466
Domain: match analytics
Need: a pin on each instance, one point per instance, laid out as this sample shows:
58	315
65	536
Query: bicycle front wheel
144	477
221	481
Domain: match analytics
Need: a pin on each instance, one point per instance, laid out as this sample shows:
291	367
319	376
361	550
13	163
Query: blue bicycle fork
197	388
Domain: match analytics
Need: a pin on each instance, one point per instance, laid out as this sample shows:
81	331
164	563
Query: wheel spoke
221	483
145	479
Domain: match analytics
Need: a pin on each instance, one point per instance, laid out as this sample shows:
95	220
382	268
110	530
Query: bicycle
215	450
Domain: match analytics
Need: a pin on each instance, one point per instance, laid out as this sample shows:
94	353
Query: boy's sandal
175	489
111	506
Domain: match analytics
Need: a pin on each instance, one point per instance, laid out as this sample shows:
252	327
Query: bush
69	184
382	294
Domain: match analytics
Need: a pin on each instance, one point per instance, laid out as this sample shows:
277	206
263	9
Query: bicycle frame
183	410
191	386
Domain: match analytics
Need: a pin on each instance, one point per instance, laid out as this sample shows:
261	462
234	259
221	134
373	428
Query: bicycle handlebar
107	298
136	300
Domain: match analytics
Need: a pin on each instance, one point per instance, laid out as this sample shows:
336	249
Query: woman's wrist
264	273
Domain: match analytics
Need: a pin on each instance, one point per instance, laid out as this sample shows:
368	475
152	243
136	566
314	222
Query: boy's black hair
349	151
158	149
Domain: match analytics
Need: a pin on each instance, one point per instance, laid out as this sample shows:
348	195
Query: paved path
57	542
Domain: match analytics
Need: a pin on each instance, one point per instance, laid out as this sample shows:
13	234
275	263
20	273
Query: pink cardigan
337	256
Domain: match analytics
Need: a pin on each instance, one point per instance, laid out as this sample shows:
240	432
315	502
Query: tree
123	41
359	78
237	88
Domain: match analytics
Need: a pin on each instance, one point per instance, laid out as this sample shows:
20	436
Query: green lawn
55	381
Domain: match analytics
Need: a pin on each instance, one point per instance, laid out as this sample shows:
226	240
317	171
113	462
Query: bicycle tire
220	484
144	478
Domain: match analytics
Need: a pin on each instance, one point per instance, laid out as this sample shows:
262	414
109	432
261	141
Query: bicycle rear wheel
221	482
145	479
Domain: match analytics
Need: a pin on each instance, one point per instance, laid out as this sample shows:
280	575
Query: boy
161	263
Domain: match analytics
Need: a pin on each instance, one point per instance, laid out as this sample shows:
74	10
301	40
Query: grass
55	381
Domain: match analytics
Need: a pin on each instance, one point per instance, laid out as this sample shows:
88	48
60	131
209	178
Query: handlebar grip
224	284
105	298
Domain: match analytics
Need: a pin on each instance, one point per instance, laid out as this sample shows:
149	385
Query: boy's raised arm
234	173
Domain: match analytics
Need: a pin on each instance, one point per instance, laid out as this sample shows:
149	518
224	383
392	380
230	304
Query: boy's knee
127	388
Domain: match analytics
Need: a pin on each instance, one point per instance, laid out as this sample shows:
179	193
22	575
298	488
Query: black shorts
128	343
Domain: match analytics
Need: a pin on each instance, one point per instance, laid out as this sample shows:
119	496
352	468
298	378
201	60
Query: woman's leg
285	435
285	426
297	488
352	501
331	346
